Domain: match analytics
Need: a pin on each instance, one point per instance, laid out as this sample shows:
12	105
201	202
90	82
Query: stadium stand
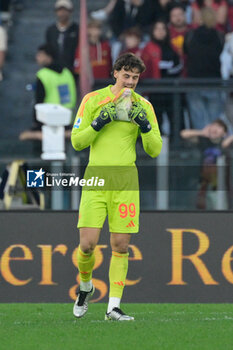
26	26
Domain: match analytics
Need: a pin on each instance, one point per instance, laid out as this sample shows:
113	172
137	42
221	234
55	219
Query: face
43	59
63	15
216	131
126	79
94	34
131	41
159	31
177	17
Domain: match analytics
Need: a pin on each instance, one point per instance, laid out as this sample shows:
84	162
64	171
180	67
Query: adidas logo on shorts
130	224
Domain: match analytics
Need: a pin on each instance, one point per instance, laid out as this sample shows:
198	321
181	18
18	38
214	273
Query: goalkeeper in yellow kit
112	137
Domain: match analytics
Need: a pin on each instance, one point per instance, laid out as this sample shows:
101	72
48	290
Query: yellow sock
86	263
117	273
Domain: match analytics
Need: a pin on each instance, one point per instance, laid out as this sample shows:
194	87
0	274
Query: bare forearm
110	6
189	133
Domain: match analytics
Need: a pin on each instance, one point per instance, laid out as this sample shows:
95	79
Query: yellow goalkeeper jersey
114	144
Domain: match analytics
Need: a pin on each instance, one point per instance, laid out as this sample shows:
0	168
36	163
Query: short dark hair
46	48
176	5
133	31
221	123
129	61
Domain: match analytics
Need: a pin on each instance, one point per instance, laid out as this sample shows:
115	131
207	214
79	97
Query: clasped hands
109	113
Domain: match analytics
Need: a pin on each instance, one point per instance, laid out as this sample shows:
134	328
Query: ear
115	74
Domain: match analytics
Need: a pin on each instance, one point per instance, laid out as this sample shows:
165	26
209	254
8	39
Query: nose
129	82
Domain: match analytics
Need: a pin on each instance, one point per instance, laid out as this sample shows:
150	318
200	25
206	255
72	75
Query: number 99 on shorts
127	210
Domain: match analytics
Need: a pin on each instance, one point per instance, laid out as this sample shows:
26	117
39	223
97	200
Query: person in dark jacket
62	36
203	47
130	13
161	9
161	62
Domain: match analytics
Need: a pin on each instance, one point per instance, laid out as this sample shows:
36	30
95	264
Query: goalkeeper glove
138	115
107	114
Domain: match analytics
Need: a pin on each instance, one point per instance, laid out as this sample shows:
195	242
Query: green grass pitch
156	326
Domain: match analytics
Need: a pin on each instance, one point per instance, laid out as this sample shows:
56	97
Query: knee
120	247
87	247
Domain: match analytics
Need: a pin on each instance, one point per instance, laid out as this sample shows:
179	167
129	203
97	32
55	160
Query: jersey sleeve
152	141
83	134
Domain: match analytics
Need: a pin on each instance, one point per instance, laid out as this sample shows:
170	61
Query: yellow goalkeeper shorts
122	208
118	198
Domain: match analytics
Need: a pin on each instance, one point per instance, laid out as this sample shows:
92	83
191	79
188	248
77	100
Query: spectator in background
161	62
131	40
3	49
159	57
214	131
124	14
226	59
209	139
178	27
161	10
187	5
100	52
203	47
54	84
62	36
220	7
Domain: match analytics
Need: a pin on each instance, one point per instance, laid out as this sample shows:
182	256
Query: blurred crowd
6	8
175	39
